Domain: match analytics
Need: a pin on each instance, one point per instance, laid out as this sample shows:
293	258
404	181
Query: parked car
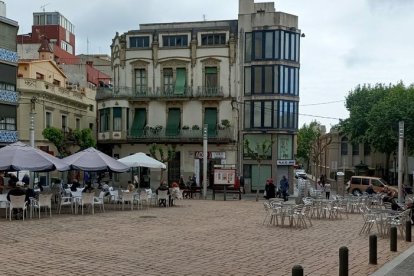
301	174
358	184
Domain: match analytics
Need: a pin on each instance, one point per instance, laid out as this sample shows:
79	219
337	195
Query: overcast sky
347	42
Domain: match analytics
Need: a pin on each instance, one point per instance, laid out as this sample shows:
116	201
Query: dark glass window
355	149
139	42
213	39
258	114
288	115
344	146
174	40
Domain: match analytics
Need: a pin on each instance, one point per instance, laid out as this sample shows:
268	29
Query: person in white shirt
327	190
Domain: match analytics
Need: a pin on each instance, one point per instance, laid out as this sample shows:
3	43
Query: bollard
343	261
408	231
297	270
373	249
393	239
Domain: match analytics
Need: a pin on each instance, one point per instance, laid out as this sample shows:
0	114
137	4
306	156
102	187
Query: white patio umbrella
19	156
93	160
140	159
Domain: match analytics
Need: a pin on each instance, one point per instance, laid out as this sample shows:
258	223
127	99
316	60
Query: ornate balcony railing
209	91
160	92
157	133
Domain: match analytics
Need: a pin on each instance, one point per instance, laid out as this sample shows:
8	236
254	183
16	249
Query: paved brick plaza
196	238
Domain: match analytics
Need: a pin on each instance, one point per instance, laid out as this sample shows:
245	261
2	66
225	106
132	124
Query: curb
392	265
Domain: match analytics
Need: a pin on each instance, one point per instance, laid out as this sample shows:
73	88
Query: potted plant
185	127
195	127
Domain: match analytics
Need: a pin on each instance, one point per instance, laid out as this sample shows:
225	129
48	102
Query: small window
78	125
174	40
365	181
213	39
91	107
64	123
356	180
344	146
377	183
90	126
139	42
56	82
48	119
40	76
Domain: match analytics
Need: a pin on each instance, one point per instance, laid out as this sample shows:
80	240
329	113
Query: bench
191	192
226	189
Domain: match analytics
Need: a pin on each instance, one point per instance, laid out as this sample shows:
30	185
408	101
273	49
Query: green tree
306	137
56	137
158	152
82	138
259	152
374	116
359	102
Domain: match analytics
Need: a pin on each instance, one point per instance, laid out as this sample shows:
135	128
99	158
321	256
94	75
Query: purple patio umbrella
19	156
92	160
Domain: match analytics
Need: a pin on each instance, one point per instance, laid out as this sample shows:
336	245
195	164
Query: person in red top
237	182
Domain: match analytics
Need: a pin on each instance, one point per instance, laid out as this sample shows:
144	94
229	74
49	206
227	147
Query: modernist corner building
240	77
9	97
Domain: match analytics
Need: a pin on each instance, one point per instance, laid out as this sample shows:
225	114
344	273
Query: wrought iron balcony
149	134
159	93
209	91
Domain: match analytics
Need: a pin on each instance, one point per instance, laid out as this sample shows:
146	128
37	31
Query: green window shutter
173	122
210	118
138	124
180	81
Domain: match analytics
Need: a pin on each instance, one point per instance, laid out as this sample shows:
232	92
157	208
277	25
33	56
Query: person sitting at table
18	191
130	187
88	188
13	180
163	187
370	190
75	185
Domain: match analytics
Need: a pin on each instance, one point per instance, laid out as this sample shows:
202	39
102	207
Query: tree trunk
257	189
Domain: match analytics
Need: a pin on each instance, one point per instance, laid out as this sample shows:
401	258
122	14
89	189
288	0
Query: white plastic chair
17	202
86	200
129	198
99	200
144	199
65	201
163	197
4	203
45	200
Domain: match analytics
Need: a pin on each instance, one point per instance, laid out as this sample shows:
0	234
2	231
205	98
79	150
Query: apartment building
240	77
9	97
46	101
269	57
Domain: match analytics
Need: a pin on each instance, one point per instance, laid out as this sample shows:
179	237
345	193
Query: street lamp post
32	120
205	160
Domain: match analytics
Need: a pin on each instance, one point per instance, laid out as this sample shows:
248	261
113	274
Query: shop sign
285	162
211	155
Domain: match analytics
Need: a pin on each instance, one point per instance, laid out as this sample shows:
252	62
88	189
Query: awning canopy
138	124
140	159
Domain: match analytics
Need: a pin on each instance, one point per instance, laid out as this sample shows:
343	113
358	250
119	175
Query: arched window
344	146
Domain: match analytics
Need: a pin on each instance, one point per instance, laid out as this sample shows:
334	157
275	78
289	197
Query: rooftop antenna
204	17
43	7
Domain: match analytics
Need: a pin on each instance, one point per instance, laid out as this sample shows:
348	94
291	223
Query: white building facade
171	79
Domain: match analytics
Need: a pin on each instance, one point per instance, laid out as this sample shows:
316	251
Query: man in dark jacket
284	187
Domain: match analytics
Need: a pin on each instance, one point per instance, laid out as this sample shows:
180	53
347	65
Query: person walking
327	190
284	186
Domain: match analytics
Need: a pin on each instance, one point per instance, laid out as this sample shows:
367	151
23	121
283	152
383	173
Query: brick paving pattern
195	238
